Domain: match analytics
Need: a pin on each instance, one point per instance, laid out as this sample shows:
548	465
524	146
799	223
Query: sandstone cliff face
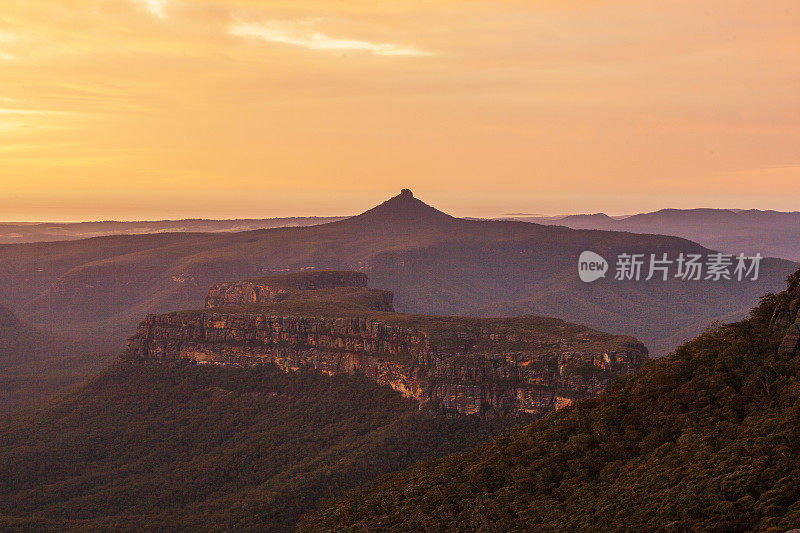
480	374
785	321
276	288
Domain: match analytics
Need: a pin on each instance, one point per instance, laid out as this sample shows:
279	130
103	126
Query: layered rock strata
785	323
488	367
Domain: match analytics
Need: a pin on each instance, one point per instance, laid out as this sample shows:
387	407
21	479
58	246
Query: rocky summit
276	288
332	322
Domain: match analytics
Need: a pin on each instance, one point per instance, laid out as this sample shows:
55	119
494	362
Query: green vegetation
342	301
186	447
308	279
707	438
531	334
34	365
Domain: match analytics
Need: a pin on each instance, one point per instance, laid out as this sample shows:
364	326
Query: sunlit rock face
523	366
785	323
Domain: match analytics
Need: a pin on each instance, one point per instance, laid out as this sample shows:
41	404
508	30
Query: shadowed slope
34	364
704	439
165	448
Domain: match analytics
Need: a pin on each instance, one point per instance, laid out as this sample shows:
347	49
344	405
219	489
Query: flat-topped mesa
486	366
279	287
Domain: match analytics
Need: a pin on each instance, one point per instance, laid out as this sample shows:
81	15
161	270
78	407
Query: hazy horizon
303	216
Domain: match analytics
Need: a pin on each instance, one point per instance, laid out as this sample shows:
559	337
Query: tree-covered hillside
207	448
35	365
707	438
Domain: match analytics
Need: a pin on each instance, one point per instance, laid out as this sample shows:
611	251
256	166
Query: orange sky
131	109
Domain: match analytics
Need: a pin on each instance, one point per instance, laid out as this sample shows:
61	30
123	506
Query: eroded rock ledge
490	367
785	323
277	288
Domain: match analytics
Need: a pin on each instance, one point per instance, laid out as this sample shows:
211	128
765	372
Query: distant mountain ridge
772	233
750	231
434	263
22	232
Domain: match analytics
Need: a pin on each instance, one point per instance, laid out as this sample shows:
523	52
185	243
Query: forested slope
707	438
156	447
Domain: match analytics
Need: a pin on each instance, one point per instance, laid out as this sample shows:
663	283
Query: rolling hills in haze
21	232
435	263
772	233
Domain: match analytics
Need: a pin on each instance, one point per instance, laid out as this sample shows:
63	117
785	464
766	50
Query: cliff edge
332	322
785	322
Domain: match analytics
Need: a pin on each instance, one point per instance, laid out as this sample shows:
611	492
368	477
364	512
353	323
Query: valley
34	365
280	393
184	447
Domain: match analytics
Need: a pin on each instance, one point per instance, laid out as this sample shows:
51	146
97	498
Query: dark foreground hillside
205	448
707	438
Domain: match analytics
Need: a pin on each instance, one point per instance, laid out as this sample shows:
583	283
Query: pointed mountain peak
403	213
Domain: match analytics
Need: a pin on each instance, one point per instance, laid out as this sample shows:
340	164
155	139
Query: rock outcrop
785	323
276	288
490	367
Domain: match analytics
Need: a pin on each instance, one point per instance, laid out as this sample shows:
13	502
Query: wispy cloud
6	39
157	8
31	112
303	34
